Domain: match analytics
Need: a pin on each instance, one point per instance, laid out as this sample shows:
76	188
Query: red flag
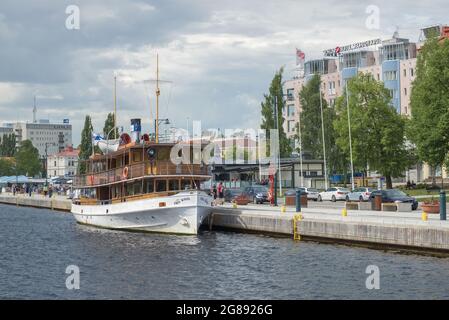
300	56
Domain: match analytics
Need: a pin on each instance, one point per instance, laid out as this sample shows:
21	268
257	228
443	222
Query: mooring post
442	205
298	200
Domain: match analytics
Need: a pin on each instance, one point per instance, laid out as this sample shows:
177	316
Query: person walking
220	190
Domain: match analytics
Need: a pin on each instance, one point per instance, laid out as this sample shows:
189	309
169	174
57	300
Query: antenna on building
396	33
34	111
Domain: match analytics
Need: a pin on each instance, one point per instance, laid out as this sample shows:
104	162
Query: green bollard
298	200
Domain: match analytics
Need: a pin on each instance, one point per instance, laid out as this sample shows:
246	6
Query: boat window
163	154
129	189
161	185
126	159
173	185
185	185
148	186
138	187
137	156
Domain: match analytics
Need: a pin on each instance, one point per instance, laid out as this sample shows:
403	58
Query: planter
431	207
242	200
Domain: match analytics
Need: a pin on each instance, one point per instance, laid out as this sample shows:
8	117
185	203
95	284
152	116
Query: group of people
30	189
218	192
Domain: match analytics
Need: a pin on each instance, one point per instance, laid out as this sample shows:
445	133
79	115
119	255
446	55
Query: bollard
442	205
234	205
344	212
424	216
283	209
298	200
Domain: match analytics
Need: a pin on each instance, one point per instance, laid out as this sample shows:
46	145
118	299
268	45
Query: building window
390	75
290	110
405	72
405	110
290	94
405	91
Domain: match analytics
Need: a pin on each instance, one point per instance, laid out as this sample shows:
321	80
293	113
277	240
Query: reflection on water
37	245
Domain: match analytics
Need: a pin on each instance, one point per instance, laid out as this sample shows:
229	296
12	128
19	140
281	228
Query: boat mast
158	92
115	106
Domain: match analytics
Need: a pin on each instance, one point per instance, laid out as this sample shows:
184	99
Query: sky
218	57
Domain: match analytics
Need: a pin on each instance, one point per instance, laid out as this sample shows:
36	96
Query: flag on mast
300	57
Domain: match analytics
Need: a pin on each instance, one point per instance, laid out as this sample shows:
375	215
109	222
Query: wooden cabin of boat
137	170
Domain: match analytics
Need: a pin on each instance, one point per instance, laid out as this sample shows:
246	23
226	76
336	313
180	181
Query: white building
5	131
54	137
63	164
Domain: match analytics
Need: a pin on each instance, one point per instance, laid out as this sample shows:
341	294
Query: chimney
136	129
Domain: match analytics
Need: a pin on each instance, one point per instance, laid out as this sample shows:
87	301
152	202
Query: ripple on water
37	245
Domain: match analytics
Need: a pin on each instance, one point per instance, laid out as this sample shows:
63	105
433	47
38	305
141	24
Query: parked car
359	194
230	194
312	194
395	195
333	194
257	194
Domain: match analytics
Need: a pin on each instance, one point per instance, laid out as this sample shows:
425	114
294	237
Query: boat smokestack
136	129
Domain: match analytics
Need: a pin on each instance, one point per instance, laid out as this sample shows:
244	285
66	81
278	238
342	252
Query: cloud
219	55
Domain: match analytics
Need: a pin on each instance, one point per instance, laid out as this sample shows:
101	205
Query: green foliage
86	144
268	121
27	159
429	125
6	167
377	130
108	127
8	145
311	127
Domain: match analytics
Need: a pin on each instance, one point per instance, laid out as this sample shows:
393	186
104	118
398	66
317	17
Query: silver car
359	194
333	194
312	194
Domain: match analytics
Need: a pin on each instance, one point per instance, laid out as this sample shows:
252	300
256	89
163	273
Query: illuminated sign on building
359	45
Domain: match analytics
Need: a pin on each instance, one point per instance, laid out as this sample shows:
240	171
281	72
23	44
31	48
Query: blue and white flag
96	138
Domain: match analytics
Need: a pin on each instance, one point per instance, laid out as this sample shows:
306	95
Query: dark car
230	194
395	195
257	194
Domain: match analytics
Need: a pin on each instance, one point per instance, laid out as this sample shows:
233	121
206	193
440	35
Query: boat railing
133	171
91	201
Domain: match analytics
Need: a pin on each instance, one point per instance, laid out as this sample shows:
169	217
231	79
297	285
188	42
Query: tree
27	159
429	101
8	145
108	126
378	131
86	144
311	127
6	167
268	121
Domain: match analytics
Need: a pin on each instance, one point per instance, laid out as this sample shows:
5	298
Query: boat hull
182	213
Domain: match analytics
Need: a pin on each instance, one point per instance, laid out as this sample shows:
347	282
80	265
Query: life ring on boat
91	180
125	172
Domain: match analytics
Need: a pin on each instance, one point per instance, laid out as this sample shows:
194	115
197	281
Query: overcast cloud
220	55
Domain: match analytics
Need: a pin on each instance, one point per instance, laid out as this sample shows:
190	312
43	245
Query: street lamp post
326	183
46	160
350	138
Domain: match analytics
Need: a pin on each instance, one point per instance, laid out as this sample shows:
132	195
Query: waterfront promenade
380	229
